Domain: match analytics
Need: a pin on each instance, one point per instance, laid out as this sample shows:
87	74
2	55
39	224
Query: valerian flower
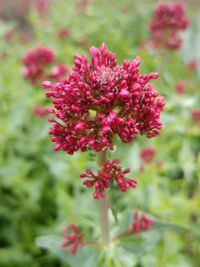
168	19
111	172
180	87
35	61
141	222
73	238
58	72
196	115
40	110
100	100
147	154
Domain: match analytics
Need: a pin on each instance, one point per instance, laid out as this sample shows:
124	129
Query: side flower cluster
141	223
102	99
36	63
110	173
196	115
168	20
73	238
147	154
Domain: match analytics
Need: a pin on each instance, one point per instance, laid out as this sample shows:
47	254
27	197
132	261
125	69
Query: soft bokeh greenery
40	190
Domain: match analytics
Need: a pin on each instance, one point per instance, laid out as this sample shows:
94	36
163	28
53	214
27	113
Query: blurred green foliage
40	190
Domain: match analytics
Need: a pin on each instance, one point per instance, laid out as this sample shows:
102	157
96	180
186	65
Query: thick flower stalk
168	19
100	100
110	173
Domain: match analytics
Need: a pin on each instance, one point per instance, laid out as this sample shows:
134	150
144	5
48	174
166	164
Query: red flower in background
58	72
82	4
42	6
73	238
63	32
168	20
102	99
147	154
111	172
40	111
196	115
141	223
180	87
192	64
35	61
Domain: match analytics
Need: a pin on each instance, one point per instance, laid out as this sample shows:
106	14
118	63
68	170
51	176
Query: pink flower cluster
102	99
168	20
192	64
147	154
180	87
63	32
196	115
42	6
141	223
73	238
36	61
110	173
40	111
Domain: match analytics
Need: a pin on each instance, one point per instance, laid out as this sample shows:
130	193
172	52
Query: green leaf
141	243
84	257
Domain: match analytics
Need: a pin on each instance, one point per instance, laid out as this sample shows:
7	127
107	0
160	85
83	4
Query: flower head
58	72
196	115
35	62
141	223
168	20
63	32
102	99
192	64
42	6
40	111
110	173
180	87
73	238
147	154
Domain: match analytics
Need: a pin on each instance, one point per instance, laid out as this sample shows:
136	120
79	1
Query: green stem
103	204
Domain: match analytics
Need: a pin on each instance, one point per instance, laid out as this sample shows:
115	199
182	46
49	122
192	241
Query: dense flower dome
102	99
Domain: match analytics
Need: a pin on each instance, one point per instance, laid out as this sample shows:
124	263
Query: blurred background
40	189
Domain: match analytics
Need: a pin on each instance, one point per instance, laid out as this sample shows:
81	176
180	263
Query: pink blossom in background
110	173
14	9
82	5
180	87
102	99
84	42
168	19
196	115
35	60
63	32
141	223
40	111
58	72
73	238
192	64
42	6
9	35
147	154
